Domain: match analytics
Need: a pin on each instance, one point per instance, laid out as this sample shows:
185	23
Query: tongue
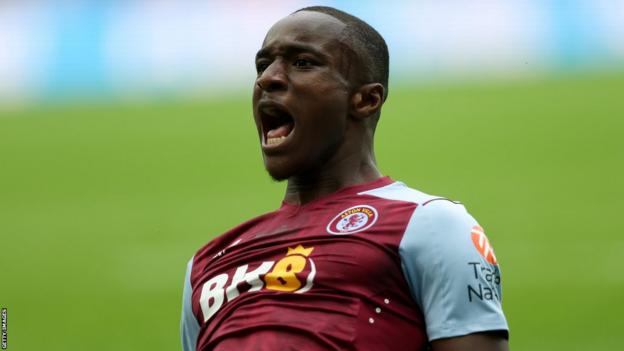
280	131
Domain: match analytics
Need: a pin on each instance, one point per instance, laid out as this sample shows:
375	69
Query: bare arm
489	341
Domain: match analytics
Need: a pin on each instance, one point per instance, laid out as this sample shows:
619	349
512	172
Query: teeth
276	141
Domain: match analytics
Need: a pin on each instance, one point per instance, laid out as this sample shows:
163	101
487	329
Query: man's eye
303	63
260	67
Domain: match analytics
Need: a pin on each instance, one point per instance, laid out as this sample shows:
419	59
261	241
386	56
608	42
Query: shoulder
433	215
432	210
398	191
450	268
440	233
442	219
438	226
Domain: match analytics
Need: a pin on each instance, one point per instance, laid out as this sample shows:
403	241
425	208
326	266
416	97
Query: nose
273	78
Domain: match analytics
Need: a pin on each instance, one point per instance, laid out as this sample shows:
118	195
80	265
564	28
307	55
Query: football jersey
376	266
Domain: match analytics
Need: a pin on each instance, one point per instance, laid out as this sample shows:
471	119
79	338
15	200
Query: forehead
308	28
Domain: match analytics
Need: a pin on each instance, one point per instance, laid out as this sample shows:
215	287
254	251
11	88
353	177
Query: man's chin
278	174
281	167
278	177
281	174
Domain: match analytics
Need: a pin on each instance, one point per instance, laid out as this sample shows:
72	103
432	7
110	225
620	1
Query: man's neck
306	188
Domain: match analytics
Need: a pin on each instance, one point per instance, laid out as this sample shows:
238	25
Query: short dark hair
367	43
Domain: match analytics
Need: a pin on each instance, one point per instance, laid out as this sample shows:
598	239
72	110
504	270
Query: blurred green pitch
101	206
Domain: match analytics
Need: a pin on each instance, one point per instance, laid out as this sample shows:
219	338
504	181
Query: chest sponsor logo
482	244
285	275
352	220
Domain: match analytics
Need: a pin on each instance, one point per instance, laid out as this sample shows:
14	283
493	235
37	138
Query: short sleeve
452	271
189	328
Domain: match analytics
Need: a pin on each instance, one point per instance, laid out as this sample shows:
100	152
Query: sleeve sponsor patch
482	244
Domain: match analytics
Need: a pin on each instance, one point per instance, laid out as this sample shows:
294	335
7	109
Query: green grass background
101	206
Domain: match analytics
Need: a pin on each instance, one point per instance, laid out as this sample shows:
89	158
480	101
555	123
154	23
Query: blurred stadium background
126	142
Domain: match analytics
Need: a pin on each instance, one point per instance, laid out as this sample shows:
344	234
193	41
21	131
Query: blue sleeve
456	286
189	328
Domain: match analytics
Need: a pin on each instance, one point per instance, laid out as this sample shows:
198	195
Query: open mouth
277	124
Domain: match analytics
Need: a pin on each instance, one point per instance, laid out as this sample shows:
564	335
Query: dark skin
331	147
305	71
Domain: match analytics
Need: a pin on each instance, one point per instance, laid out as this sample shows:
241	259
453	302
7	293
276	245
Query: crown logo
299	250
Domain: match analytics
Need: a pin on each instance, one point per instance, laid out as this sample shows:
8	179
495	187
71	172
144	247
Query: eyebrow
290	48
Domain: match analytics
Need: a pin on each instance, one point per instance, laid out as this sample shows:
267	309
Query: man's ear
367	100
